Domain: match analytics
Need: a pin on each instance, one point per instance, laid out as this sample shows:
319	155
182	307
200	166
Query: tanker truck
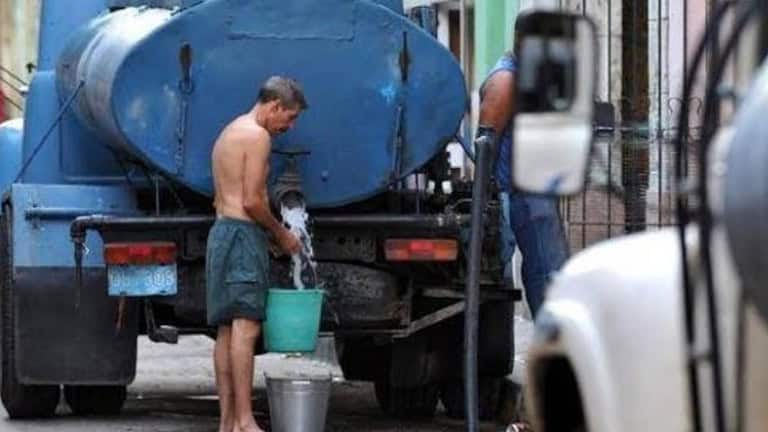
105	213
667	330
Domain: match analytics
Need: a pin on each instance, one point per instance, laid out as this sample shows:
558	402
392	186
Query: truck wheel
20	401
408	402
95	400
489	395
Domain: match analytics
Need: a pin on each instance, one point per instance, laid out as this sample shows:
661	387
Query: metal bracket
398	143
416	326
163	334
435	317
186	88
405	59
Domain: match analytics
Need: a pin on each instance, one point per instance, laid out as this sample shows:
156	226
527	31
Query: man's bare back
239	141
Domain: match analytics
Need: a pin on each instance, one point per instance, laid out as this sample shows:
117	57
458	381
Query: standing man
534	220
237	260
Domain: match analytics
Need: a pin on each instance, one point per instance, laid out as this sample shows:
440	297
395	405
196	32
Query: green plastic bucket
293	320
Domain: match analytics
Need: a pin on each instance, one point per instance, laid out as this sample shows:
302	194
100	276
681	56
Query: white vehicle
666	330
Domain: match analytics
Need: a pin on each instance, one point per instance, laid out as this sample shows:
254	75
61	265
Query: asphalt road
174	384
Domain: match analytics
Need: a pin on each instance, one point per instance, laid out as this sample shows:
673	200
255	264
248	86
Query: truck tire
95	400
20	401
489	395
407	402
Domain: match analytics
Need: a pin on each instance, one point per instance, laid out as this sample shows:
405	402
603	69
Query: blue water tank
11	133
385	97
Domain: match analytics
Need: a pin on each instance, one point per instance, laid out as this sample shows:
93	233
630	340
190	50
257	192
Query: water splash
296	220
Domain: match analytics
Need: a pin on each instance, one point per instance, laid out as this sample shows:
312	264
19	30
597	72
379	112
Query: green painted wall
494	33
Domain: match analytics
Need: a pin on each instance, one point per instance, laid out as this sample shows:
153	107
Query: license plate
142	280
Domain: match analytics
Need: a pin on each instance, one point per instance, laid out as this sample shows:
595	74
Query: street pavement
174	387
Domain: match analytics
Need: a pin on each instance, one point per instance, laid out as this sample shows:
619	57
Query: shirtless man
237	261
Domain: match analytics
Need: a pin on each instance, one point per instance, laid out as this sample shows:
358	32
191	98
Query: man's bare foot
249	427
226	426
254	428
519	427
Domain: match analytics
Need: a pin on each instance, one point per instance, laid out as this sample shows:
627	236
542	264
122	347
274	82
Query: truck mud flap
61	342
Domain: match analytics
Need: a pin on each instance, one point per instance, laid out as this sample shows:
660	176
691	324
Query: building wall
494	33
631	181
600	213
675	28
18	45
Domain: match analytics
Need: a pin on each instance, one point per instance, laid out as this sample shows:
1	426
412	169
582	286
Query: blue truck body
120	119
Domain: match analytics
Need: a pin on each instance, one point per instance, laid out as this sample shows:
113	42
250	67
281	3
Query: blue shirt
502	169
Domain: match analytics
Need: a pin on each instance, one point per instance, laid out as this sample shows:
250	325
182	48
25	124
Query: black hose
483	151
711	119
741	358
683	212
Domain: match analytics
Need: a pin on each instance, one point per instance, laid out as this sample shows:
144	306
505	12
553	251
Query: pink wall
685	32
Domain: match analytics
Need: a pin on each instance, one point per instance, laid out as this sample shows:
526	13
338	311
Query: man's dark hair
284	90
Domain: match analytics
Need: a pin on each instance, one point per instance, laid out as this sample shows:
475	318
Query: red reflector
421	249
140	253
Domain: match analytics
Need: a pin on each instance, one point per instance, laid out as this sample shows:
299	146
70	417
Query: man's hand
274	249
288	242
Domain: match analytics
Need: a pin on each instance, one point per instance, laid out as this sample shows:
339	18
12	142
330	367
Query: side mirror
555	89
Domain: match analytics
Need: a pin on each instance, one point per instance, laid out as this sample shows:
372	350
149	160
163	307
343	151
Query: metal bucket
298	404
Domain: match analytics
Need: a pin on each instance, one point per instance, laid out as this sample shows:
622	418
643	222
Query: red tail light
140	253
421	249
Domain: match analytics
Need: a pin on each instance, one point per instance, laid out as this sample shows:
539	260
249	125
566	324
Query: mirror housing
555	94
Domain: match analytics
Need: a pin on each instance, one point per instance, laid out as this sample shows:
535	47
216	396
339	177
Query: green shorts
237	271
